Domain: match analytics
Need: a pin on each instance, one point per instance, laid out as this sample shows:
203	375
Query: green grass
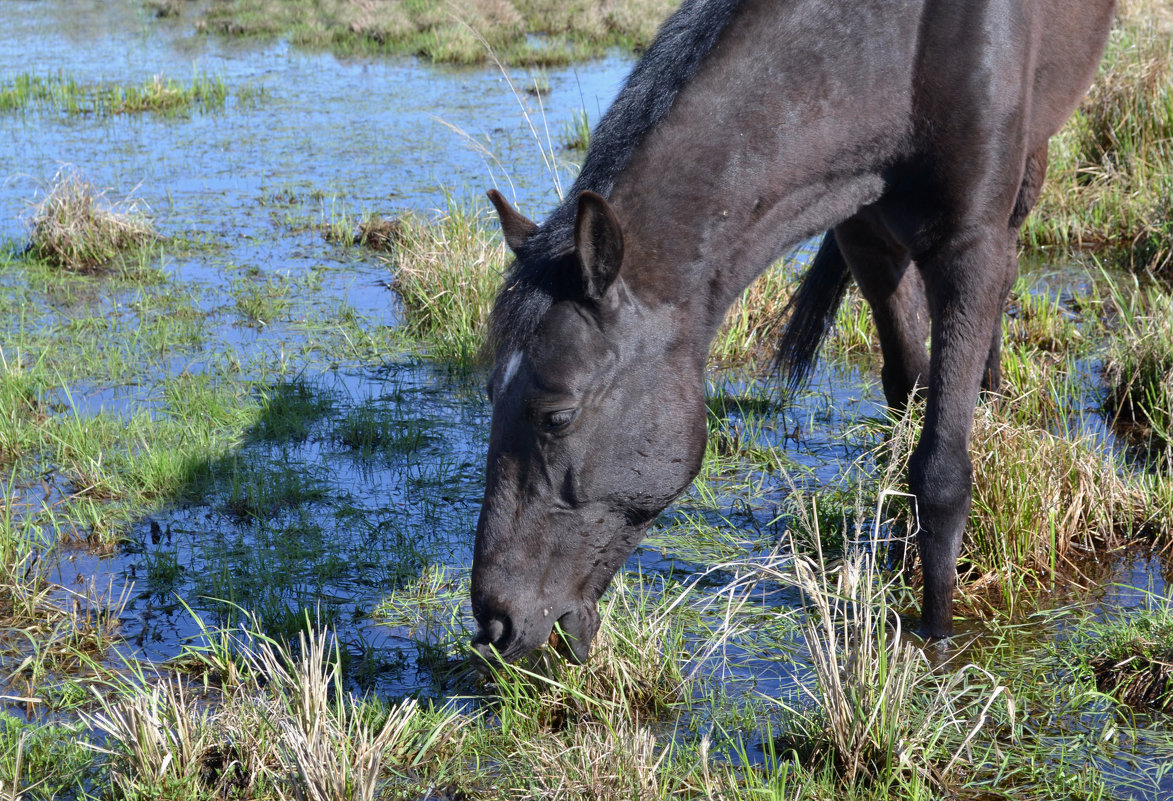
874	708
1138	368
67	94
446	272
577	133
1108	185
538	32
1130	657
283	728
1043	503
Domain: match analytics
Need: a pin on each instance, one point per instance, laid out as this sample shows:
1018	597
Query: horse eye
556	421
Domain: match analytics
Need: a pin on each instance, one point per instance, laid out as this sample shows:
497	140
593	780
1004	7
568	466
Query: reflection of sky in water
378	133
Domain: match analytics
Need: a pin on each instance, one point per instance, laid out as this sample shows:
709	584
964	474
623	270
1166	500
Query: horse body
914	131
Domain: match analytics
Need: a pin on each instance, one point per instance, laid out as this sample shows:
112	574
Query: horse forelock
644	102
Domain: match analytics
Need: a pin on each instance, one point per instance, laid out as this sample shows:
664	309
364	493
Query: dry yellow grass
76	228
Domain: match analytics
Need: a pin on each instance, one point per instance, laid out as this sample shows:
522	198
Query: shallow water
321	139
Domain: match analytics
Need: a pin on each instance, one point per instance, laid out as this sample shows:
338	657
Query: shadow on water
345	490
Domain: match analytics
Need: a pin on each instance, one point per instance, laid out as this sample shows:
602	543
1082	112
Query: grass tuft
447	272
633	676
872	708
76	228
1133	658
284	728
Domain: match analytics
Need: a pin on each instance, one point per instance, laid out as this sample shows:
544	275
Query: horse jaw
579	628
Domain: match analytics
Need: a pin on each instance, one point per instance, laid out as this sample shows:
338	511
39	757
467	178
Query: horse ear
515	225
598	243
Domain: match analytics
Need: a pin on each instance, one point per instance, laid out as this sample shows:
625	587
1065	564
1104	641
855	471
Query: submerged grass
541	32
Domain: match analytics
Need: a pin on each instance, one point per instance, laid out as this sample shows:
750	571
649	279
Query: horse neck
778	136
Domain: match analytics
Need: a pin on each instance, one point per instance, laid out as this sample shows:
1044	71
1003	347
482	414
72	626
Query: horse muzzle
503	638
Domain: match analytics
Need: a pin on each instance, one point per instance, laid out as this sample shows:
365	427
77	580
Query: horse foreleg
964	282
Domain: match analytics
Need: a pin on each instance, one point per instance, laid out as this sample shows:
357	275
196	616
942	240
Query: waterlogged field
242	427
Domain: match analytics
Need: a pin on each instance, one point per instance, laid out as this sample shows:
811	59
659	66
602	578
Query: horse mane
645	100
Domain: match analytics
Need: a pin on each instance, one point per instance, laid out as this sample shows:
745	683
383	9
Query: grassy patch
76	228
874	711
1138	368
468	32
446	273
1132	658
284	727
577	133
376	428
1042	505
753	323
67	95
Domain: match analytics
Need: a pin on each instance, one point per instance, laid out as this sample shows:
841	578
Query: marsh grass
576	135
752	325
1132	657
46	630
67	95
284	728
1138	367
1042	505
1108	186
447	272
536	32
369	431
872	710
76	228
41	762
1044	322
261	302
634	675
431	607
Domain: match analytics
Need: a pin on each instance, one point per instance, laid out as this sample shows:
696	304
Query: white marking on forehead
510	369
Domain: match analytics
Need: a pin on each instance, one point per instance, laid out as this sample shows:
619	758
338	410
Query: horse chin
578	632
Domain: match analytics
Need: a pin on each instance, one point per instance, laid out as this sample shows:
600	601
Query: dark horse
913	131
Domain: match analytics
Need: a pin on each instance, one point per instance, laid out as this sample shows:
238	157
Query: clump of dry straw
76	228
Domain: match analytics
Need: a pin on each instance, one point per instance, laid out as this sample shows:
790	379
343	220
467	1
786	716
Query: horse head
598	423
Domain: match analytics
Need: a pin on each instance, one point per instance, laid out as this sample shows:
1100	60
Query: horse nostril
495	630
